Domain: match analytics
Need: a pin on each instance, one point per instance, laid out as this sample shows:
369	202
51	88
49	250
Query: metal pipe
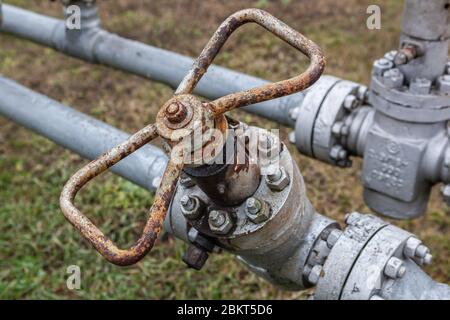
78	132
99	46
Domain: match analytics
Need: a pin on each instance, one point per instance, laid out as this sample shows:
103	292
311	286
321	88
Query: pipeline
96	45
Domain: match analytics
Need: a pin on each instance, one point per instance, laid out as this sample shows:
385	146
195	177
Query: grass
37	244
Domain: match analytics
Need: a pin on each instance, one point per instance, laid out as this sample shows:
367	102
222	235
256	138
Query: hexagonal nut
446	193
394	268
280	183
263	214
220	222
420	86
410	247
393	78
333	237
194	212
352	218
315	274
195	257
351	102
381	65
443	84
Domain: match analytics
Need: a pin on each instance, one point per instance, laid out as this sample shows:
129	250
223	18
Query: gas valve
399	125
196	133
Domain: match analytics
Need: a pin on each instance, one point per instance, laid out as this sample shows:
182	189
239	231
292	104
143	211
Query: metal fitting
339	129
351	102
420	86
446	193
363	94
447	68
410	247
340	155
279	180
186	181
443	84
381	65
394	268
257	210
391	55
315	274
191	207
351	218
333	237
195	257
405	55
220	222
393	78
268	145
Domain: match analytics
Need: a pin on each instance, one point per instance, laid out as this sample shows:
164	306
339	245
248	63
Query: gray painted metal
98	46
78	132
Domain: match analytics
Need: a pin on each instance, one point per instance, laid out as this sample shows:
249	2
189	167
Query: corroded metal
268	91
180	118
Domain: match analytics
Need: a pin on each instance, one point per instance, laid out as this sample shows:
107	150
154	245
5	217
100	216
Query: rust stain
177	115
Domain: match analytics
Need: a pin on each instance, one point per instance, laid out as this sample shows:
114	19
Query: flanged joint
220	222
257	210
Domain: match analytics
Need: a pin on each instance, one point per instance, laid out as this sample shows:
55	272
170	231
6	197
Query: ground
37	244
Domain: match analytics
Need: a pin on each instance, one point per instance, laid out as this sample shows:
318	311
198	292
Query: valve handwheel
179	118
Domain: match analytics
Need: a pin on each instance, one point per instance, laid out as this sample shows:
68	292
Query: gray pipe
96	45
78	132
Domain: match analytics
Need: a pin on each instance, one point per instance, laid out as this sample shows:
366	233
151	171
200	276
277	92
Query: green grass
37	243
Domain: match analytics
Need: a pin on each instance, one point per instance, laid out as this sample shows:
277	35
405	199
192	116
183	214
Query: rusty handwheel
179	118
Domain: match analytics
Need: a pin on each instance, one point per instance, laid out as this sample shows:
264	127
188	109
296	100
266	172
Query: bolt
363	94
175	112
195	257
191	207
268	145
351	218
186	181
257	211
381	65
315	274
443	84
338	153
220	222
279	180
410	247
428	259
405	55
351	102
192	235
333	237
420	86
253	205
391	55
187	202
393	78
422	251
336	129
394	268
